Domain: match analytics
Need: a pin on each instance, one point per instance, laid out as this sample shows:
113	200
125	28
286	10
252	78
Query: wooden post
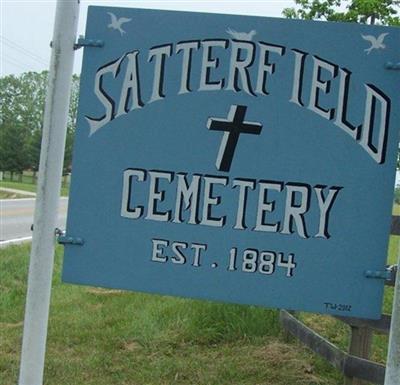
360	346
287	336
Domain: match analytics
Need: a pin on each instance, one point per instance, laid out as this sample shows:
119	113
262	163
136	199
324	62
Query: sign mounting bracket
392	66
67	240
83	42
386	274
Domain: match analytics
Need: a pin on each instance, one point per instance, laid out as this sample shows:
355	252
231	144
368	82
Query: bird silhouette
376	42
241	35
116	23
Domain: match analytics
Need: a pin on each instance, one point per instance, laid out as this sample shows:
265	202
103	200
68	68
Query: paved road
16	217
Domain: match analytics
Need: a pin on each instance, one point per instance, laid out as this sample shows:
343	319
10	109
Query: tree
21	118
385	12
73	112
14	133
33	86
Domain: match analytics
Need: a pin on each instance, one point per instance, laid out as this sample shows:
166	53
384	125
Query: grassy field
396	209
9	195
337	332
28	187
27	182
106	337
18	186
27	177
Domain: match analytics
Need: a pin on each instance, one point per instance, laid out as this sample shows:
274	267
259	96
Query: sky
26	26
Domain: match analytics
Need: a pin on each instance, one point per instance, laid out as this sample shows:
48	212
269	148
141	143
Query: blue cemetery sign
241	159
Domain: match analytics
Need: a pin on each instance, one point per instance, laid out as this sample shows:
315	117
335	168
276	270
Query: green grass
26	177
393	249
106	337
19	186
9	195
28	187
339	334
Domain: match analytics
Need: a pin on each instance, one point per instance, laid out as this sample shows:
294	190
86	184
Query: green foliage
13	131
397	195
72	115
21	117
384	12
398	159
107	337
29	186
10	195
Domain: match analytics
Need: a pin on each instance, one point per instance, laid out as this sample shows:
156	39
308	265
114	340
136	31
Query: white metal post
392	376
48	193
